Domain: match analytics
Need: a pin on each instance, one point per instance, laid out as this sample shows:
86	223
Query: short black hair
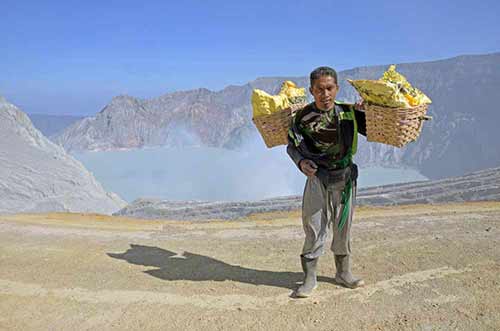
322	71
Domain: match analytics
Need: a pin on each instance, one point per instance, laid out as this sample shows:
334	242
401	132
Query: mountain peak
123	98
121	102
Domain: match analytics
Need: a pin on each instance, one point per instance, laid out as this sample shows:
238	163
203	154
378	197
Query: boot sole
340	281
301	295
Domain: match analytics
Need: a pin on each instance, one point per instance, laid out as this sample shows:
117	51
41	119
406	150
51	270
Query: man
322	141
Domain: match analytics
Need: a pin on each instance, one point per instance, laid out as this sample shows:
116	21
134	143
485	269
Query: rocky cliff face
190	118
461	137
38	176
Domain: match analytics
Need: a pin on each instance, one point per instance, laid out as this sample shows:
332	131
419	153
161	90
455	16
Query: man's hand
359	105
308	167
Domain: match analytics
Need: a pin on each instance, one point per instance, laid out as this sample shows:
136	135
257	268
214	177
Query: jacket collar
336	106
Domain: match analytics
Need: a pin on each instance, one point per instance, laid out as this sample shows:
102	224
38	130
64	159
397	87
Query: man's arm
306	166
361	121
294	154
359	113
292	149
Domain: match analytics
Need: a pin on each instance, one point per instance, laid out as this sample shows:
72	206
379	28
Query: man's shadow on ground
195	267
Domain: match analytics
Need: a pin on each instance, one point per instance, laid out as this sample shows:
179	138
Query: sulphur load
266	104
272	113
391	90
394	109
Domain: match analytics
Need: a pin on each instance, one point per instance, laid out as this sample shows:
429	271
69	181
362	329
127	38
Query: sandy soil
426	268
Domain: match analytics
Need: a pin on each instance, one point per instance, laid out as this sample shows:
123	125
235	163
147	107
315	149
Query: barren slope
38	176
426	268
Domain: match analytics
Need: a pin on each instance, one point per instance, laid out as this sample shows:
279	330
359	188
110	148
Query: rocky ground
426	267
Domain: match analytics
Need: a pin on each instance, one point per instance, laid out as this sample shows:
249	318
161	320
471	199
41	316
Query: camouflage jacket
325	137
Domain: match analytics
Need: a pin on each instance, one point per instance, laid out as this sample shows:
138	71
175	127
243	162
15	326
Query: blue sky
72	57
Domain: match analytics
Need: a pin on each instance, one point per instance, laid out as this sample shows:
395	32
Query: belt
329	177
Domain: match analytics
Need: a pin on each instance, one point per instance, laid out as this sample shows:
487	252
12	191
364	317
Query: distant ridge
478	186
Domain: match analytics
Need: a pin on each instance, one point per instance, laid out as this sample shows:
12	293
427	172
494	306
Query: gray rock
38	176
194	210
192	118
478	186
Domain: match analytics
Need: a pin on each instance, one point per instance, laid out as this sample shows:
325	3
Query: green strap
346	198
345	161
351	116
355	138
294	138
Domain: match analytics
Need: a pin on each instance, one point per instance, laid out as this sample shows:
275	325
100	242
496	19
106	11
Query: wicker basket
394	126
274	127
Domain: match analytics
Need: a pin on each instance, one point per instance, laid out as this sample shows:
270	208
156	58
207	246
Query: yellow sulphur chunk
293	92
266	104
414	96
392	90
380	93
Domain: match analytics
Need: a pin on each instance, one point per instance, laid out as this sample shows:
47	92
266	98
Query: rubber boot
310	283
344	276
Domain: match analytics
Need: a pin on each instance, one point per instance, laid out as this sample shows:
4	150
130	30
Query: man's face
324	90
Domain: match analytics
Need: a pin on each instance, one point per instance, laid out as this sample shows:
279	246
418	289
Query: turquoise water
200	173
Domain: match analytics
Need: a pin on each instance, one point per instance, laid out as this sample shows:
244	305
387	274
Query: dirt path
426	268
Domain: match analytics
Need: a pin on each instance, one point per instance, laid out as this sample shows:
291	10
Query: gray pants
321	210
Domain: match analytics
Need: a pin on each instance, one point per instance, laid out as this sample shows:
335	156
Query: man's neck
321	110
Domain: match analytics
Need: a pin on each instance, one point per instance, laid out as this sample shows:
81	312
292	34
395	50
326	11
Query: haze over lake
203	173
